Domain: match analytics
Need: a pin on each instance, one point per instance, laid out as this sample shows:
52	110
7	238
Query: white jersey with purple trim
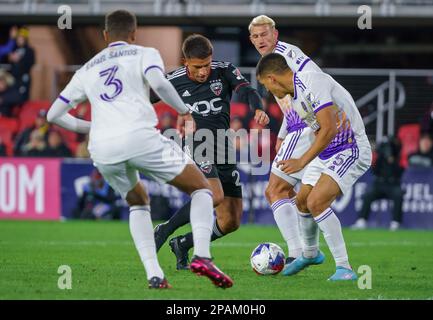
114	82
297	61
314	91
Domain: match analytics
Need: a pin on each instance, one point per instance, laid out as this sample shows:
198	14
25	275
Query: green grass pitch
105	265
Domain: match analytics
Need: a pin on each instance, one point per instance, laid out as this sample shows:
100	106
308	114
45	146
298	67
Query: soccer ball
267	258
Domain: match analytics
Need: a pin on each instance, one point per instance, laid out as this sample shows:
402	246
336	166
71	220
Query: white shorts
162	162
294	146
344	167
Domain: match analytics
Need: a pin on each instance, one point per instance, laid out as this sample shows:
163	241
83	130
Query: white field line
214	244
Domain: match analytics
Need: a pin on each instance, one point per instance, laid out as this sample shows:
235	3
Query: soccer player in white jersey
339	155
124	141
294	139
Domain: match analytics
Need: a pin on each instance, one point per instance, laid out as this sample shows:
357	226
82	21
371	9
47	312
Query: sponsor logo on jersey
304	106
186	94
312	100
205	107
216	87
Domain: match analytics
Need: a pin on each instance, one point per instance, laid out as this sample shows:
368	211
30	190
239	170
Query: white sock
286	217
310	234
331	228
201	221
140	225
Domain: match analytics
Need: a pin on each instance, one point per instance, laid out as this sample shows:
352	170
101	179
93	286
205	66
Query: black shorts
228	175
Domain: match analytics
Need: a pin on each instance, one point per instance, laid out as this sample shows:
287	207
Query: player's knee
218	198
229	225
135	199
276	191
301	204
315	205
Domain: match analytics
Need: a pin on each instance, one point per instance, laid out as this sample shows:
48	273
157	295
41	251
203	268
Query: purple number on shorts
338	160
111	81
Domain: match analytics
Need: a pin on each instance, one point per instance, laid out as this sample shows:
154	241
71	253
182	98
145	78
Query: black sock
187	242
179	219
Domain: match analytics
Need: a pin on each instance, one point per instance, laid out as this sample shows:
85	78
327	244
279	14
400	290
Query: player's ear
105	35
183	60
276	33
133	36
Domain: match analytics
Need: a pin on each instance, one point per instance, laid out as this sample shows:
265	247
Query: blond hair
261	20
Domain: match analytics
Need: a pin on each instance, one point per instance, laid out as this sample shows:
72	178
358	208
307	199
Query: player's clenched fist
261	117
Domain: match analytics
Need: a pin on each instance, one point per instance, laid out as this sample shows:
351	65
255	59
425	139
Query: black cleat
289	260
181	254
160	235
158	283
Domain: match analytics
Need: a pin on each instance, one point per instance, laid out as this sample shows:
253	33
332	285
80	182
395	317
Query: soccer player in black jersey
206	87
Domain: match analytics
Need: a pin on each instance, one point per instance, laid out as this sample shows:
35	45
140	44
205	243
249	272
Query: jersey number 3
110	80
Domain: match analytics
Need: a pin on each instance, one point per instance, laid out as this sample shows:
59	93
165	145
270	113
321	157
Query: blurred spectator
56	146
7	48
386	184
98	200
9	94
3	152
82	148
166	122
36	147
41	125
22	59
424	156
427	121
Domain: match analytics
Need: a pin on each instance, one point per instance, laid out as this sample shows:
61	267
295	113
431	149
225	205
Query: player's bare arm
327	132
185	124
58	114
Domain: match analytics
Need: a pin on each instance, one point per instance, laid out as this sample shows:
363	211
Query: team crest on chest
312	100
216	87
304	106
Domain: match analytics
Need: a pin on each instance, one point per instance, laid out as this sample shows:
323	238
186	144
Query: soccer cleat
160	235
180	253
205	267
342	274
158	283
301	263
289	260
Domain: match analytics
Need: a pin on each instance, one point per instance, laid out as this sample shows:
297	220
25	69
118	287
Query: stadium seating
409	135
29	111
8	129
238	109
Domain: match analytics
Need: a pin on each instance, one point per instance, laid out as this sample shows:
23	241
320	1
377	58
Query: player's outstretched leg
310	236
164	230
140	225
281	198
318	202
192	181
